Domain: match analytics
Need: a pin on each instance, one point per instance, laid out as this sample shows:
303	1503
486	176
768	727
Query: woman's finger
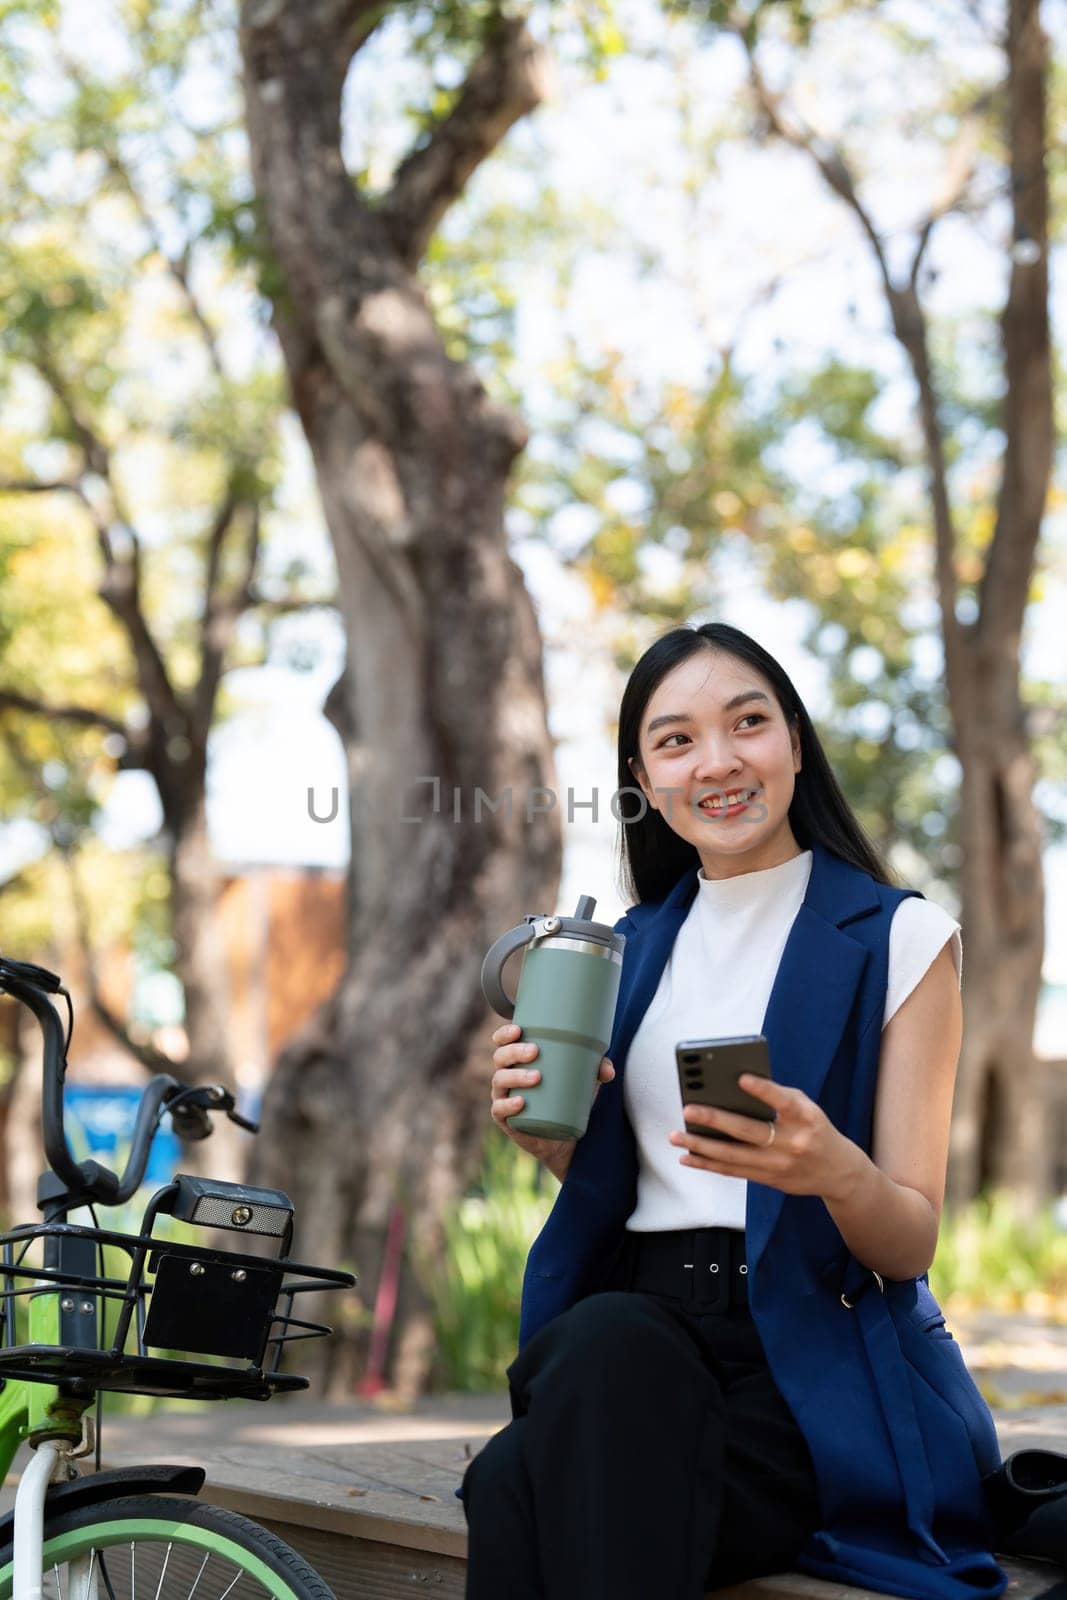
753	1130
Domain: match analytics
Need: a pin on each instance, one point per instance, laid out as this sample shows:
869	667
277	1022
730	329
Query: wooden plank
368	1569
377	1514
395	1493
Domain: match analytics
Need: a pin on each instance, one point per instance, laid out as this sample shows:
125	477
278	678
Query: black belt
704	1267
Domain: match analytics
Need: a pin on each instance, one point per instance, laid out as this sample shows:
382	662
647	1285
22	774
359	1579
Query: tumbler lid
580	926
533	928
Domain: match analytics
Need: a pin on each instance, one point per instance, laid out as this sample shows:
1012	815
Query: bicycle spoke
163	1573
238	1575
80	1584
199	1575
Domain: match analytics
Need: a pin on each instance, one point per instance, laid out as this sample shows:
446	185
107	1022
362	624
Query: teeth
716	804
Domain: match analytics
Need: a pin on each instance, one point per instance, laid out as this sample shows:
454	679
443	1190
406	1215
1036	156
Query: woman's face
713	732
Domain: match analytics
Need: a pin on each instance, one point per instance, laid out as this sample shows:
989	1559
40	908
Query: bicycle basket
89	1330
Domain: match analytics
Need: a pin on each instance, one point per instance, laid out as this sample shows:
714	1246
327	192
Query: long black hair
652	857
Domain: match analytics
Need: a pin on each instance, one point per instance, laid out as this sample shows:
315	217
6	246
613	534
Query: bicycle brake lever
243	1122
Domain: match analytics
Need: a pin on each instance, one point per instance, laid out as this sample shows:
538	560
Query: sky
759	218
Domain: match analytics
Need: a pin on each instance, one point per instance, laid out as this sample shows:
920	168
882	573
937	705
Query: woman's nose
716	760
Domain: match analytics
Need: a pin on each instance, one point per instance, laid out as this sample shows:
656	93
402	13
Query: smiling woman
721	1341
708	714
723	762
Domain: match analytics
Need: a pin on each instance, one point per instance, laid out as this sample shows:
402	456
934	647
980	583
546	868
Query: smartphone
708	1070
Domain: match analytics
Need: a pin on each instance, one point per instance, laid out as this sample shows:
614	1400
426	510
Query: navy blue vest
898	1432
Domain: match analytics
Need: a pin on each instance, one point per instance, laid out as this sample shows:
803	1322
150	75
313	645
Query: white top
717	983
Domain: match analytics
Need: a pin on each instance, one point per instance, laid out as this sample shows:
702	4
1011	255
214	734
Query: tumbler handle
493	966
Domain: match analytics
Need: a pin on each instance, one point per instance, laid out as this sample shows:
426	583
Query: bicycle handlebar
90	1179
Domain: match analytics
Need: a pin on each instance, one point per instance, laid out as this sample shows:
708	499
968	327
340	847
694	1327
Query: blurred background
377	382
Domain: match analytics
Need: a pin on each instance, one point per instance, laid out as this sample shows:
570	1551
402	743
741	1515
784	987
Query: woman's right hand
513	1060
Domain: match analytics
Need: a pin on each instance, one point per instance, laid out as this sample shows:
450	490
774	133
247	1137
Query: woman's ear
638	771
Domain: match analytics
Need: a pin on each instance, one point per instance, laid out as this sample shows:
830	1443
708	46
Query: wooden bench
368	1496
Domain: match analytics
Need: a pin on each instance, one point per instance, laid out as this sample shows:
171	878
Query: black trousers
650	1455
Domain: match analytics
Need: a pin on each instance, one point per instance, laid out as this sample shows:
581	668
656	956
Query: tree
133	507
672	477
382	1101
997	132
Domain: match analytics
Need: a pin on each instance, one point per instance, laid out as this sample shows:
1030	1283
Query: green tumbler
568	987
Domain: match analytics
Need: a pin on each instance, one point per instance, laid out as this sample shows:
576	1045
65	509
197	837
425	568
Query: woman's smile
731	805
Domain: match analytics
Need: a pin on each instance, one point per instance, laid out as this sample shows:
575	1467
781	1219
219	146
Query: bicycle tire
163	1547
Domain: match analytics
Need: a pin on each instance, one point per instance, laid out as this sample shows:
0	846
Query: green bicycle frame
32	1409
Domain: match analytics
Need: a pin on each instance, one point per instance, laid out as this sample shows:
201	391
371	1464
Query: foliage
988	1255
475	1289
139	380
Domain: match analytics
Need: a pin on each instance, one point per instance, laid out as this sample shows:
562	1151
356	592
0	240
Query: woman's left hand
806	1156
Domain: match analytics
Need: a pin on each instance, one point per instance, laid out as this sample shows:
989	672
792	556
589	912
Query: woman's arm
887	1209
888	1206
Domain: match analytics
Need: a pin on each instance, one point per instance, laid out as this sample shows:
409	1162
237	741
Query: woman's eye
751	716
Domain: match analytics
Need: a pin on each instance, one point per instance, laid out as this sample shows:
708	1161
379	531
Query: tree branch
120	590
506	82
178	266
956	177
97	454
120	587
150	1058
215	541
337	29
38	486
826	156
220	616
11	699
284	605
909	326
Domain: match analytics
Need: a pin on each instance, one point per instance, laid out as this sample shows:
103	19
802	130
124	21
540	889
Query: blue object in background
100	1121
250	1103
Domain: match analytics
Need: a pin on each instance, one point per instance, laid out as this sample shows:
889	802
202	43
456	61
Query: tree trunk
999	1139
1002	876
24	1151
385	1097
200	964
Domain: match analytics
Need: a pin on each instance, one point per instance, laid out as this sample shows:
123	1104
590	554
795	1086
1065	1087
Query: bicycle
107	1535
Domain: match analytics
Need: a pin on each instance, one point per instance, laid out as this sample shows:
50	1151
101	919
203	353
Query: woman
730	1362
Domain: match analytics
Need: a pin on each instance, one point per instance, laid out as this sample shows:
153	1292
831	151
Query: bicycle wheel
159	1547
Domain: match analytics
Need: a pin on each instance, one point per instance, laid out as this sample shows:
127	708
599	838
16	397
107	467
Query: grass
990	1256
476	1288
